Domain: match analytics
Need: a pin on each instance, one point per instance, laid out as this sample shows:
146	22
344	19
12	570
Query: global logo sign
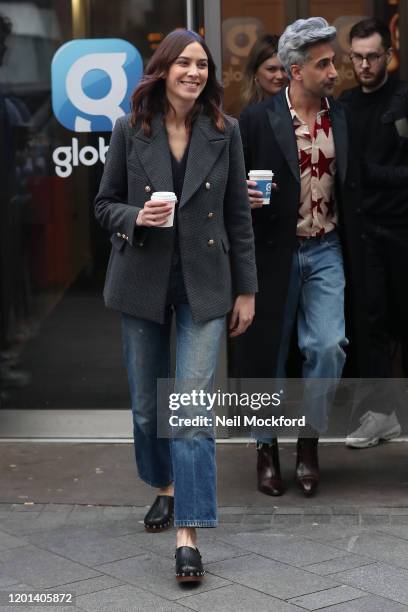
92	82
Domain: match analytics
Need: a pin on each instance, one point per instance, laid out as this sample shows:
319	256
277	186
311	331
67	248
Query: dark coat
270	143
381	126
214	221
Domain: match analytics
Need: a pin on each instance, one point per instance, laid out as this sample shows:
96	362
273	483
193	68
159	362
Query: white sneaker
374	427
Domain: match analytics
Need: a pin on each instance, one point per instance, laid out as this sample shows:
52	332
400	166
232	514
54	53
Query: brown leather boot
268	469
307	465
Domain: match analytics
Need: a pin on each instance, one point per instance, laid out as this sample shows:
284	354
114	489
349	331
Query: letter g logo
92	81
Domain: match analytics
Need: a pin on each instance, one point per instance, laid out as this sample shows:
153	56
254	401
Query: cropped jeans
315	303
188	462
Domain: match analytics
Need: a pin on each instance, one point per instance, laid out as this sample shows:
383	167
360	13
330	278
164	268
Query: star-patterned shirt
317	213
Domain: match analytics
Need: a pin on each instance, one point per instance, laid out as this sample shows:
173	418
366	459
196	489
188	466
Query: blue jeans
188	462
315	302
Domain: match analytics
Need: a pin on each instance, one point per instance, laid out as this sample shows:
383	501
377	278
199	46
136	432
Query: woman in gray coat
177	140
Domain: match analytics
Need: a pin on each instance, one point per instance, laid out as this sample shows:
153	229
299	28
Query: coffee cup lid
164	195
260	173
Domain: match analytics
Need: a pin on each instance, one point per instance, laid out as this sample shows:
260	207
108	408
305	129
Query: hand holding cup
255	196
159	211
262	179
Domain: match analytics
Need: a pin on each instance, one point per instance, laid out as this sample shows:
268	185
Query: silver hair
299	36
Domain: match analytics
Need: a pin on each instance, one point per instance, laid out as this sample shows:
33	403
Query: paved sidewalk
105	474
282	559
345	550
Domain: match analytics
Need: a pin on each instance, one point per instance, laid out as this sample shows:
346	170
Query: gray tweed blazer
214	221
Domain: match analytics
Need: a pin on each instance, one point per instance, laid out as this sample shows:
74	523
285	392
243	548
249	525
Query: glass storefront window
242	24
343	15
59	346
144	23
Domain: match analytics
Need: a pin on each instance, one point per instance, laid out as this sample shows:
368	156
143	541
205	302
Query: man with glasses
379	111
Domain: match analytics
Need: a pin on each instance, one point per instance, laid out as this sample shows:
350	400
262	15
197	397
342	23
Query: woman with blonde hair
264	74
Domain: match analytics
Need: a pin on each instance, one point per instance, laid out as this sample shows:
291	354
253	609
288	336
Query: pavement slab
125	598
333	566
86	547
398	531
283	547
375	545
378	579
6	580
129	525
323	533
89	585
235	597
328	597
42	569
369	603
271	577
9	541
25	523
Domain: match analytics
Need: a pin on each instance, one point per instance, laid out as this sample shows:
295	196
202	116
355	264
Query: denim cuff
155	485
181	523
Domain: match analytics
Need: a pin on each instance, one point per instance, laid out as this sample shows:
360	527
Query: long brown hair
149	98
263	49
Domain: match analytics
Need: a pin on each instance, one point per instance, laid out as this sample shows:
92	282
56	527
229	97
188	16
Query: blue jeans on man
315	303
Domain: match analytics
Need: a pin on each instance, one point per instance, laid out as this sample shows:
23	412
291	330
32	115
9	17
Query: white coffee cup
170	198
263	179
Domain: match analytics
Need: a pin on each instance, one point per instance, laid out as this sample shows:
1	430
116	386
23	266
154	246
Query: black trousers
387	286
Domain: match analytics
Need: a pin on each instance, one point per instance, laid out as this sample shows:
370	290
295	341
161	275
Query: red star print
317	205
325	124
305	161
324	164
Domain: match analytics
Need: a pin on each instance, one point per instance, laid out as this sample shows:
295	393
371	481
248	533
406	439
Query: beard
373	80
327	88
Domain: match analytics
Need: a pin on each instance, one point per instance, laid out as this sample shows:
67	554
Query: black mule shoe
160	515
188	564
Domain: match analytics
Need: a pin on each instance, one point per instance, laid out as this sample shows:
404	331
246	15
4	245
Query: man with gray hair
308	241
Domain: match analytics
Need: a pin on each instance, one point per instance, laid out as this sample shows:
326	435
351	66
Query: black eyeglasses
370	58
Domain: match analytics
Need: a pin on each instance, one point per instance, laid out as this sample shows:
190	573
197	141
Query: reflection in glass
52	255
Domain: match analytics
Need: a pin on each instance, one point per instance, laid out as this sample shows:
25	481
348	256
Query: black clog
188	564
160	516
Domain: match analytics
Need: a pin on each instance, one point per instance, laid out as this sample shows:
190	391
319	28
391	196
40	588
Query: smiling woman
264	74
188	75
198	268
186	66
